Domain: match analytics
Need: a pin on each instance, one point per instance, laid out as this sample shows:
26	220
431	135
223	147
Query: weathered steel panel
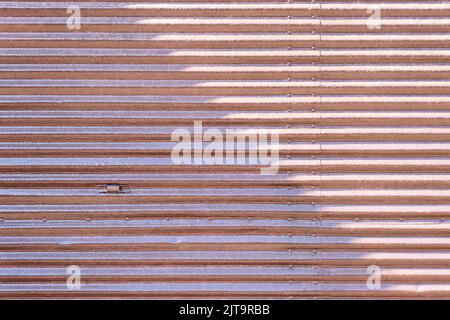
357	92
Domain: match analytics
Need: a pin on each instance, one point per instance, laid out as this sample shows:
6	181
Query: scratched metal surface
364	121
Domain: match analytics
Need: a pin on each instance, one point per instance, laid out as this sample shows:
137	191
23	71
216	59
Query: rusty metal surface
363	116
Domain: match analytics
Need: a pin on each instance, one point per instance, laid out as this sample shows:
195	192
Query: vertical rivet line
317	80
320	108
289	48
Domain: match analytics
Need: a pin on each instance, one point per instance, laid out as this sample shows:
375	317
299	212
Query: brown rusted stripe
28	232
87	279
260	246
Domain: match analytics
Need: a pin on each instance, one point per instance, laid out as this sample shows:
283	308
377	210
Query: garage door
98	98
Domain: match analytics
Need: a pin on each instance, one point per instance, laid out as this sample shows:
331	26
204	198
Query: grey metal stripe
294	52
297	146
170	145
231	177
162	5
214	192
228	115
429	224
381	37
220	239
165	177
159	223
217	270
228	255
293	129
163	52
170	67
166	99
233	287
226	287
147	36
86	161
157	130
153	161
199	207
268	6
261	67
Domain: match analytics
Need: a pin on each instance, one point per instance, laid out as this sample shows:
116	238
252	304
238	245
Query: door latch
114	188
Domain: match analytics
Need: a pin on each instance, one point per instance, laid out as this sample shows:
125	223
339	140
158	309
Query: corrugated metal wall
364	119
